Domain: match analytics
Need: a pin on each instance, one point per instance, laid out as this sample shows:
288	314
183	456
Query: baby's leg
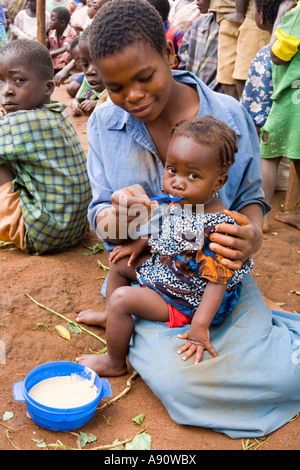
123	303
120	274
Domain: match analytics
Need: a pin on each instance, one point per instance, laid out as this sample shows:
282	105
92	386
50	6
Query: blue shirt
122	153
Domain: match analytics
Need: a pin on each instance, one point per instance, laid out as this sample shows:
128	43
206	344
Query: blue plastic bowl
59	419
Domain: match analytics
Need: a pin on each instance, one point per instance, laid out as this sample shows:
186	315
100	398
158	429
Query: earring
215	194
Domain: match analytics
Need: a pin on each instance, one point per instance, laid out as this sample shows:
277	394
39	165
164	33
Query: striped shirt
44	152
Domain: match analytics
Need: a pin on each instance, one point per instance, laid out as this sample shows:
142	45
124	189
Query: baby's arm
240	11
133	249
198	334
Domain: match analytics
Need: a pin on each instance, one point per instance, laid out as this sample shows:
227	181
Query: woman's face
139	79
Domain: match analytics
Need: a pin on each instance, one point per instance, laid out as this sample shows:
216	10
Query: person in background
26	20
12	31
183	13
44	186
92	89
79	16
280	135
238	45
3	37
69	4
72	72
199	49
175	35
60	36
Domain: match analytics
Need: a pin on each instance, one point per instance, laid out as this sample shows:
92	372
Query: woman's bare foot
92	317
290	219
102	364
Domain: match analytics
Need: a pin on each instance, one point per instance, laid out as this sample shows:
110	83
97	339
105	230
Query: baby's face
191	171
22	88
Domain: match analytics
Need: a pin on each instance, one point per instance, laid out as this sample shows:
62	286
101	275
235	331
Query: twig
122	394
66	319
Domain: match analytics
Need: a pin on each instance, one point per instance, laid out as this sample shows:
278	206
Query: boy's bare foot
92	317
102	365
290	219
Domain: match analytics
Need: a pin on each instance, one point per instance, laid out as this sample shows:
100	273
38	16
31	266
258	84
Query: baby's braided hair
210	131
122	23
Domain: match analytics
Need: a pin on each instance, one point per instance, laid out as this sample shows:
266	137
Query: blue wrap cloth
251	389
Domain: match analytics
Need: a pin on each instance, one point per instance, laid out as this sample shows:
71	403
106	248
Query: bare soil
70	282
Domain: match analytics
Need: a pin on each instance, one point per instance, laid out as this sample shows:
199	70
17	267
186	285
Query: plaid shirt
44	152
199	49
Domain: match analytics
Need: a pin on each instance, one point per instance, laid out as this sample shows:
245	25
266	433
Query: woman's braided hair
210	131
121	23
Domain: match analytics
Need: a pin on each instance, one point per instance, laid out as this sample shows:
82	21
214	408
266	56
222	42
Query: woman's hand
235	243
127	201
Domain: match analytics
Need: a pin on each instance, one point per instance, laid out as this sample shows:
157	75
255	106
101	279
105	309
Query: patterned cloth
67	37
258	90
175	35
182	263
45	154
199	50
85	92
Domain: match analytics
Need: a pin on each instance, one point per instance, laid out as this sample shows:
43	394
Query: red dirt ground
71	281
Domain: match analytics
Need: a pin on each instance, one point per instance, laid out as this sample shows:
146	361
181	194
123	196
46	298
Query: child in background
175	35
98	4
44	186
199	49
256	97
280	135
90	12
68	4
199	290
12	31
72	72
26	20
92	91
60	36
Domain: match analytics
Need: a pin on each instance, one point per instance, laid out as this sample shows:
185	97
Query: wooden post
41	26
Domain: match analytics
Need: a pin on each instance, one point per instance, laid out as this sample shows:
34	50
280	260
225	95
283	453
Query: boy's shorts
12	228
238	45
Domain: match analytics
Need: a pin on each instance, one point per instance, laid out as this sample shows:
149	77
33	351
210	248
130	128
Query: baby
184	281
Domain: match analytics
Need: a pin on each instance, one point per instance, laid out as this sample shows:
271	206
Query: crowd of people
191	102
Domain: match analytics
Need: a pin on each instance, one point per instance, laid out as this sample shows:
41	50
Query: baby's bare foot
102	365
92	317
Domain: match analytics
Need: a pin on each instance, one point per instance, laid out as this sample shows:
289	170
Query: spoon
167	196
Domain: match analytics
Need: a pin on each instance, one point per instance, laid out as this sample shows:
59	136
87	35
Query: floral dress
256	97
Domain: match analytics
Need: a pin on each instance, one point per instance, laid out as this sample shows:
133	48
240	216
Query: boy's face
75	53
139	80
89	69
203	5
22	88
191	171
55	23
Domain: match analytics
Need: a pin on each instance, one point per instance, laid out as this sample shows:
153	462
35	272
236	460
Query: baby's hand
132	249
196	344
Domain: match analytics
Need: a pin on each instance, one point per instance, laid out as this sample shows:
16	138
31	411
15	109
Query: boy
44	187
92	91
60	36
